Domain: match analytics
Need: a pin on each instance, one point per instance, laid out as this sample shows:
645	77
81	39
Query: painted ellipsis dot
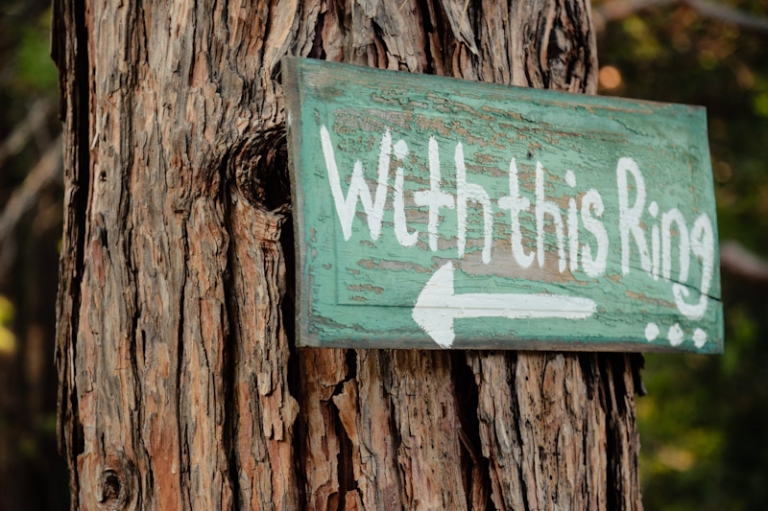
675	334
699	337
651	331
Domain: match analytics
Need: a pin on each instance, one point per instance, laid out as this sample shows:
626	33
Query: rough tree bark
179	385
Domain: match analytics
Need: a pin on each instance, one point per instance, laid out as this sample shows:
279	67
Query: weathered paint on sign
432	212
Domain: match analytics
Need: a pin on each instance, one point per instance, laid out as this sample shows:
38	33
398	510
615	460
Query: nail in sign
439	213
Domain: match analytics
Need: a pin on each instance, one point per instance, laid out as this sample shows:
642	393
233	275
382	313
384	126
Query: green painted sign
432	212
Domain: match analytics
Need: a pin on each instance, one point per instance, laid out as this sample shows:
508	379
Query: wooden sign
440	213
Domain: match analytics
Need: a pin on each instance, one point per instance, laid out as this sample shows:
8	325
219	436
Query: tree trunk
179	384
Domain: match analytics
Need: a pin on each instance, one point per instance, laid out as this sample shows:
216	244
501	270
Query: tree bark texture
179	384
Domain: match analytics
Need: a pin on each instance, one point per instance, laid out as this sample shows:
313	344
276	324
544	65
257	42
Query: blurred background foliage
32	476
704	422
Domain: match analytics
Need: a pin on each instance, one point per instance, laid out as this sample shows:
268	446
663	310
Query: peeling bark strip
179	385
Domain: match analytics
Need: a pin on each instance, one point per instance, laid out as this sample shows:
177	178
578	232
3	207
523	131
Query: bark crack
474	465
345	467
186	487
230	345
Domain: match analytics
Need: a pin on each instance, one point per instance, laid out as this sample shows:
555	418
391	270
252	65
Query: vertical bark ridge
321	372
173	348
498	427
69	49
265	409
425	415
622	436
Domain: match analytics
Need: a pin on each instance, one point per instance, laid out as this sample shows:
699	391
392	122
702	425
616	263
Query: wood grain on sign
432	212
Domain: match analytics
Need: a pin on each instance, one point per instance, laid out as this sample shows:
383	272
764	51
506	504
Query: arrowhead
433	311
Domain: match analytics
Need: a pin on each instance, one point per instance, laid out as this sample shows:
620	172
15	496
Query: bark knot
116	483
110	489
260	168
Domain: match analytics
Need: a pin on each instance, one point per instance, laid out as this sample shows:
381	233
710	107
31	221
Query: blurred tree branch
739	261
32	125
615	10
25	196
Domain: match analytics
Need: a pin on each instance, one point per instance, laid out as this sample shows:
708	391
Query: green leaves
7	339
35	67
703	423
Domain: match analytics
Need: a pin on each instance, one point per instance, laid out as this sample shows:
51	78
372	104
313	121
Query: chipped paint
563	199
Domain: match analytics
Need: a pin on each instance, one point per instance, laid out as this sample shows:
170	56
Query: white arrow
438	306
